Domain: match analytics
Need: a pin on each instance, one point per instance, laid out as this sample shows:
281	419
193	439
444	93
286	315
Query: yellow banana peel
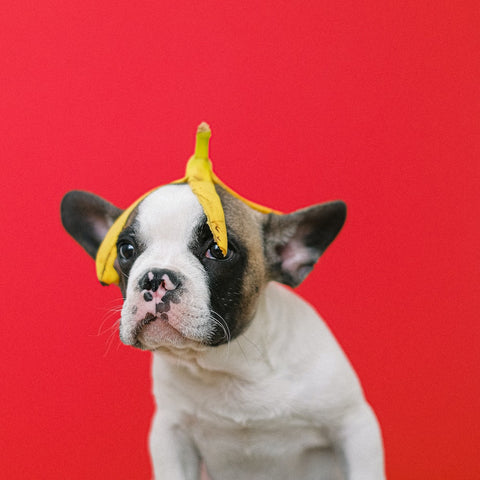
201	179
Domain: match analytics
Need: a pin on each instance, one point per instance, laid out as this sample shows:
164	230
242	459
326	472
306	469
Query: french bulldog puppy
248	379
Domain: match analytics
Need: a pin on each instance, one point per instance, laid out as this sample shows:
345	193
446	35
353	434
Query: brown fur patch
246	224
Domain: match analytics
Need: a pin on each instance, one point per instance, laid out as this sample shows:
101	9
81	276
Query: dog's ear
294	242
87	218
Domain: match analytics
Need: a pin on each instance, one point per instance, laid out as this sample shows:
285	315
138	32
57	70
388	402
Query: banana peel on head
199	176
201	179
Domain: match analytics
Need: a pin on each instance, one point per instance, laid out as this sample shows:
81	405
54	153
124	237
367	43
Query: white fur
266	406
280	401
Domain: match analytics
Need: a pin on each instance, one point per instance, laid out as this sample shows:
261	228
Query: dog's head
179	289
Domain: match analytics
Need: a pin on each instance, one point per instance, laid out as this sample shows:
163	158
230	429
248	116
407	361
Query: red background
376	103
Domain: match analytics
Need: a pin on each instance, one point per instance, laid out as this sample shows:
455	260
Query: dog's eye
126	250
215	253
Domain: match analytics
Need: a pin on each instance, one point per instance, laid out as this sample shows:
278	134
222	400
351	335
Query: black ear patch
294	242
87	218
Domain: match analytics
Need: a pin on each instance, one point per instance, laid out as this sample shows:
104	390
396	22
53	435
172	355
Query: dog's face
179	290
177	284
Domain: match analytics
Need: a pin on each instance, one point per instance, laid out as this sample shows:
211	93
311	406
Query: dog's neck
257	352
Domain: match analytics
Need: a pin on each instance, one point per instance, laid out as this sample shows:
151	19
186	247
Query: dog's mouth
155	329
149	318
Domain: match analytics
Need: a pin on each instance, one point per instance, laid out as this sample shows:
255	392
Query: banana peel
201	179
199	176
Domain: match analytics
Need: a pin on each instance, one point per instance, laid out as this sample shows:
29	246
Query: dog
249	382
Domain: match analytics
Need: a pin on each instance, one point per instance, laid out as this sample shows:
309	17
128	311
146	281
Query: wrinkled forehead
171	212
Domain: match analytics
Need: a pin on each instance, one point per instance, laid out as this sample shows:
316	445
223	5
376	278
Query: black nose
157	277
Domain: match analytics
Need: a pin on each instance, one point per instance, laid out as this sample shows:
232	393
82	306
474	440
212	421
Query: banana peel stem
203	137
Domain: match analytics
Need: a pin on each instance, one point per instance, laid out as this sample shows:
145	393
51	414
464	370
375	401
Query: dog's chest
255	437
242	430
247	449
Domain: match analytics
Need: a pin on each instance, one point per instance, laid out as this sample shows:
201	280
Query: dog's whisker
115	306
220	321
114	311
113	333
115	301
108	345
102	330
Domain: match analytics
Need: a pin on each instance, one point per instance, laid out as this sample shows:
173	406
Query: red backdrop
376	103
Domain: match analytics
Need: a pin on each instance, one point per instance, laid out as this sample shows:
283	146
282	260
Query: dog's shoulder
306	351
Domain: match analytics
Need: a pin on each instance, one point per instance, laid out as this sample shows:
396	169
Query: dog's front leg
173	453
359	444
